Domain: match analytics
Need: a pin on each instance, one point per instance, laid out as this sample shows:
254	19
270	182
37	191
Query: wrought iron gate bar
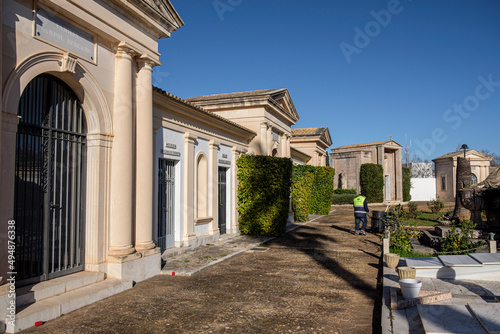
50	169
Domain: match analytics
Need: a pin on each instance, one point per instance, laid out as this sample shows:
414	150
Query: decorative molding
68	63
202	220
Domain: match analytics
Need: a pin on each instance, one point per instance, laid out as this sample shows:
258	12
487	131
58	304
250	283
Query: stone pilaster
213	172
234	190
144	155
189	176
398	160
120	236
97	199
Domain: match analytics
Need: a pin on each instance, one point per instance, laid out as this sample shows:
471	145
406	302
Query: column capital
189	137
123	48
145	61
213	143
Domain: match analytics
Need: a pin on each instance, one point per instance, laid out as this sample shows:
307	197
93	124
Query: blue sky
425	72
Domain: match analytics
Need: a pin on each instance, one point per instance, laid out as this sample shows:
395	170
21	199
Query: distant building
314	142
446	171
347	161
270	113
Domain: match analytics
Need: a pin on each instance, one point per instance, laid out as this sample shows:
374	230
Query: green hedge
263	194
343	198
372	182
344	191
406	184
322	190
302	185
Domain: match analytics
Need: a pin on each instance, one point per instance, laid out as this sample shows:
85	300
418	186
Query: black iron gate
166	204
222	199
50	181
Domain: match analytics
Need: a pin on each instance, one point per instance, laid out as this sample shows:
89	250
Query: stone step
55	306
36	292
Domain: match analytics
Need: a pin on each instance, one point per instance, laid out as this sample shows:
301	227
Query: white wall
423	189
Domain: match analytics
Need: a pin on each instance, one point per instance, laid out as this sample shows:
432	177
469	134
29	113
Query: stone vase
391	260
407	272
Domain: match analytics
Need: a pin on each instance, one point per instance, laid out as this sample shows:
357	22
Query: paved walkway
316	278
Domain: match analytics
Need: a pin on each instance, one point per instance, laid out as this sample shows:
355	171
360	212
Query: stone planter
410	288
445	222
407	272
391	260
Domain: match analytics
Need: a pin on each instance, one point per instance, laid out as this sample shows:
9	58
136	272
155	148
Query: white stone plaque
59	32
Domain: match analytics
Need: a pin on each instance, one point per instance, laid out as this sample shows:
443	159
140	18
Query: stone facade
187	135
347	161
314	142
446	170
269	113
104	52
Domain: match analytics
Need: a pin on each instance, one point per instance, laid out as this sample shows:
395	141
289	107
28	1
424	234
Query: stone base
424	297
136	270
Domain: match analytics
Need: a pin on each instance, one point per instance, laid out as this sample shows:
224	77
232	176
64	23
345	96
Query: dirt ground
319	278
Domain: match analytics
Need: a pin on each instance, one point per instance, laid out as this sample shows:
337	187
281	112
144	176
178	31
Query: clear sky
425	72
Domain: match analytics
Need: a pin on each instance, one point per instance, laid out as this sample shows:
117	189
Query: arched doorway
49	202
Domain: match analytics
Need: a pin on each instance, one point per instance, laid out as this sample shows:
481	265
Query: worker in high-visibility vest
360	211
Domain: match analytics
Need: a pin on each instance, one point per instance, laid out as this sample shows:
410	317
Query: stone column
120	236
213	172
284	147
144	155
269	139
263	138
189	176
289	152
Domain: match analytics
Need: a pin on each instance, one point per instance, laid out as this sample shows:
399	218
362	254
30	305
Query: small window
443	183
474	179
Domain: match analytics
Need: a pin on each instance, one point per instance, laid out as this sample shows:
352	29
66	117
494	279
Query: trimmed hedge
343	198
263	194
406	184
322	190
302	186
344	191
372	182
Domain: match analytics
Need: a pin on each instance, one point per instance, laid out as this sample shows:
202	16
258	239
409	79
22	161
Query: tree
496	157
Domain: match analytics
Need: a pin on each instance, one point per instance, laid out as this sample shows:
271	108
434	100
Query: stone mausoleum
446	171
347	161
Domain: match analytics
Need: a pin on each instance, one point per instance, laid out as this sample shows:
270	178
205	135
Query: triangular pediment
161	13
285	101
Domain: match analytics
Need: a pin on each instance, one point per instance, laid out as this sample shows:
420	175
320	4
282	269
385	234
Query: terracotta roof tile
461	153
199	109
366	144
235	95
308	131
